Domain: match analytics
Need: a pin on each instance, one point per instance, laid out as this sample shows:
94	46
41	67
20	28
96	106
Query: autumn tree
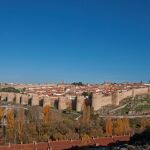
118	127
109	127
10	125
20	125
145	122
46	114
34	118
1	113
2	120
86	113
32	131
85	139
126	125
46	121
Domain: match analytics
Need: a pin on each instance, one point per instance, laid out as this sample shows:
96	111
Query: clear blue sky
74	40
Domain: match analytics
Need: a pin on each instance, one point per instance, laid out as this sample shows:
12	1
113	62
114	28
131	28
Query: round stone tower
47	101
115	99
18	98
4	95
79	104
35	100
96	101
11	97
25	99
62	103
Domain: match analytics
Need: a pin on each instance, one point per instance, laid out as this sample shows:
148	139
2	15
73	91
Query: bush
10	89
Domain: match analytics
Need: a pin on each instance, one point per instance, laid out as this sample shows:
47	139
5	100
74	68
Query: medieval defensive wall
63	102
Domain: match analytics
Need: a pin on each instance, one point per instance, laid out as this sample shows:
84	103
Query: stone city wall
140	91
99	100
64	102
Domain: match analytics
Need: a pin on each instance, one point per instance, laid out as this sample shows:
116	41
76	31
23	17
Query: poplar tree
10	125
109	127
46	115
86	113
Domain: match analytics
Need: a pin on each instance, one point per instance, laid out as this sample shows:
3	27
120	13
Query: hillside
140	105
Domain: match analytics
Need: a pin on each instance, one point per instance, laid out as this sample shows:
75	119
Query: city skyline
71	41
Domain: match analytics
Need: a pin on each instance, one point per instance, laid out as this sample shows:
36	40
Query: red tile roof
61	145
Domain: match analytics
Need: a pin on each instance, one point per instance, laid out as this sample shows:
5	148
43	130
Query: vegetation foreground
28	124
